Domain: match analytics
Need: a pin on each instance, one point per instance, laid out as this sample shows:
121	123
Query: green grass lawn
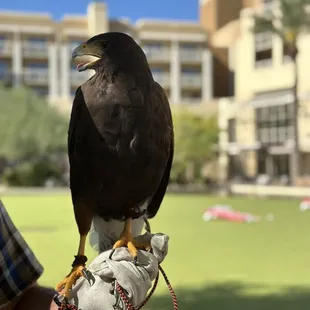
211	265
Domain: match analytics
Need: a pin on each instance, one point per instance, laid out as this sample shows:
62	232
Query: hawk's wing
157	198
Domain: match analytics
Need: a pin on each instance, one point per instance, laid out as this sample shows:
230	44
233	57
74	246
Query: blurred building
256	124
215	17
36	50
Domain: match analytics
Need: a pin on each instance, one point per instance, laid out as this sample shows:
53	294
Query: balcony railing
191	80
35	49
5	48
162	78
35	75
162	54
191	56
78	78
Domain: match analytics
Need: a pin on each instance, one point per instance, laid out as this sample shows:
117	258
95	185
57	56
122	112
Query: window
281	165
37	65
274	124
3	65
263	49
191	70
191	76
153	46
161	76
234	167
286	53
35	43
190	52
3	44
157	70
2	40
261	162
36	40
189	47
305	164
156	51
4	69
232	130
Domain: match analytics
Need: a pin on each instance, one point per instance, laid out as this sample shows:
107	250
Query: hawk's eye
104	45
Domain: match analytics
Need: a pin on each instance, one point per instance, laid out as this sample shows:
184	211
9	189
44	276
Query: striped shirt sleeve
19	268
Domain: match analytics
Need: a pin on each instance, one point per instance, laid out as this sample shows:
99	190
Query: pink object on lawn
227	213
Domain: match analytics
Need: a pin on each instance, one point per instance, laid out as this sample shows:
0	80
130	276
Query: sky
133	9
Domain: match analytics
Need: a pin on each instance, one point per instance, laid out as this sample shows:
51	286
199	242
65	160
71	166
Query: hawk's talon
57	298
89	277
111	254
66	284
127	240
135	260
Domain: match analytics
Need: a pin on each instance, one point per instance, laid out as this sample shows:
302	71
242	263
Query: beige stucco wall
279	75
304	126
245	126
97	17
250	80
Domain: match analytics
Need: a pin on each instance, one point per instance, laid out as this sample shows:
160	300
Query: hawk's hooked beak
85	56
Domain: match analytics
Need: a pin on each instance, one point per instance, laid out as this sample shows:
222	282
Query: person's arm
35	298
19	271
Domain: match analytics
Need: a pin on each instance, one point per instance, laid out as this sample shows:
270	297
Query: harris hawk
120	144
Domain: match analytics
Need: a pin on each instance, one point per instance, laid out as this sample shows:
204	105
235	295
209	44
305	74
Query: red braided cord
67	307
174	297
129	306
151	292
124	297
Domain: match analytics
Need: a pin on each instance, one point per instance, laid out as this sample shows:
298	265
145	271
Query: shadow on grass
37	229
233	296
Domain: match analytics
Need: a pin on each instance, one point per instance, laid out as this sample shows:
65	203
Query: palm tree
291	20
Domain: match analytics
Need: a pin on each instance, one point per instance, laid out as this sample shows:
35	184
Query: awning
274	98
279	150
236	148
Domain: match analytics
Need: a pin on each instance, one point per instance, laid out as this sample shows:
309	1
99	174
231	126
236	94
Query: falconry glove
135	280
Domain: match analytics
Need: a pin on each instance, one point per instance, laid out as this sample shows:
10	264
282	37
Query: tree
293	19
195	138
29	127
